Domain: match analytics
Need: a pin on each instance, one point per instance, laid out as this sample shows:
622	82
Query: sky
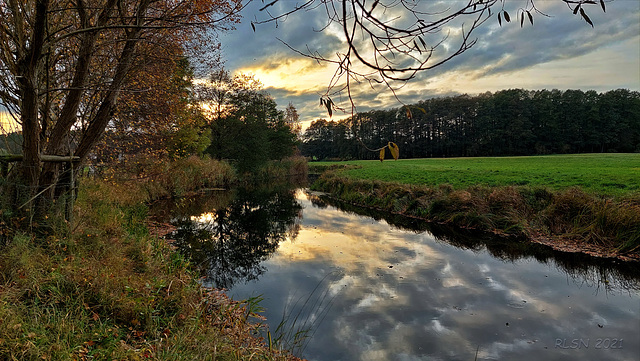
560	51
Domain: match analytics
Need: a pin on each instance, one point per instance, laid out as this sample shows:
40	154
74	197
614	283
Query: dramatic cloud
560	51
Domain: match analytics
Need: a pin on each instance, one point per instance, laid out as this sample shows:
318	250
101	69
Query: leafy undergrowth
569	219
102	288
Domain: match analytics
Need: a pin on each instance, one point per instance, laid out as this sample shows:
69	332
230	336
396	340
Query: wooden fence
6	159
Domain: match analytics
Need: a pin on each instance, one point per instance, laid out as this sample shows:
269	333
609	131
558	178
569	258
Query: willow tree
63	65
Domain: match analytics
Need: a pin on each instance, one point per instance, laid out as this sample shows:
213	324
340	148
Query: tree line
505	123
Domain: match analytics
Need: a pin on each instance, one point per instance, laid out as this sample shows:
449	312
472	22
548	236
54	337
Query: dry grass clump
461	207
565	209
186	175
596	220
149	179
506	198
287	167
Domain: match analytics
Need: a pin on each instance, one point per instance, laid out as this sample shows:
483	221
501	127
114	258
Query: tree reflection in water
228	244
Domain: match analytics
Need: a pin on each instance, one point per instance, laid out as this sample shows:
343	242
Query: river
345	284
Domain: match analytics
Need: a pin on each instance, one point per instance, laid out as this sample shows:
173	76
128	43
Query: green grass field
606	174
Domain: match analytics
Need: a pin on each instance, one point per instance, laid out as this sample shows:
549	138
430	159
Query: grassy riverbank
586	203
104	287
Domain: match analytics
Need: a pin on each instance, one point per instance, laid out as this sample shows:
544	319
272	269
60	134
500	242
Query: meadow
602	174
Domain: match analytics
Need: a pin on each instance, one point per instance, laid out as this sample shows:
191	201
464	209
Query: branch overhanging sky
558	52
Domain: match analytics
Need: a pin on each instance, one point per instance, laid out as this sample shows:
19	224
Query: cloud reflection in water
396	294
404	295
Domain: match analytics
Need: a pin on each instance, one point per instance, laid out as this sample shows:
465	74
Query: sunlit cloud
558	52
297	75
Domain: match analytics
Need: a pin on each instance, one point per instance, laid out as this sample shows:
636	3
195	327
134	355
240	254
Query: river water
347	285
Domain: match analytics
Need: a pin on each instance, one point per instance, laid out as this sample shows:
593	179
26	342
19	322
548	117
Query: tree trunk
29	67
99	122
101	119
59	140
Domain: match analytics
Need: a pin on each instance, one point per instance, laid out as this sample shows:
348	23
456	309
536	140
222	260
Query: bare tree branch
390	41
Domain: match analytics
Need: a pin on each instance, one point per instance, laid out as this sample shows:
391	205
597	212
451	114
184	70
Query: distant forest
505	123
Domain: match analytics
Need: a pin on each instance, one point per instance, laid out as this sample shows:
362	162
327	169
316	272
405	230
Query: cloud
562	37
561	51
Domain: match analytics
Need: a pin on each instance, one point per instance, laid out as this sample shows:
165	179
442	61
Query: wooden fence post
5	159
71	194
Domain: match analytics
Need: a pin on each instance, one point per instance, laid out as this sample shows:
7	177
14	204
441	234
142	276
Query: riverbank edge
108	286
570	220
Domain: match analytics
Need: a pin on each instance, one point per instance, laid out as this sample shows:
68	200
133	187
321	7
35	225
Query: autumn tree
65	63
292	119
158	116
246	126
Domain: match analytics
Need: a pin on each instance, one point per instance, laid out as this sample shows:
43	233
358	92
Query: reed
302	318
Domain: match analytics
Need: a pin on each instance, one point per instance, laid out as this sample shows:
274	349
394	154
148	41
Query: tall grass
153	179
105	289
290	167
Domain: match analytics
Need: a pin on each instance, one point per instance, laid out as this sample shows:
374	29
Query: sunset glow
558	52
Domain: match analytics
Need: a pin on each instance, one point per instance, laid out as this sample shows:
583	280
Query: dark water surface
366	288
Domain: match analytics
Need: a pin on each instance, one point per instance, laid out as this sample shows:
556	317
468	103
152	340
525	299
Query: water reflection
380	287
602	274
229	242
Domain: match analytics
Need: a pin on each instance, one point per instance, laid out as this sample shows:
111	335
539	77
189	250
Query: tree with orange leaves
157	116
64	64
